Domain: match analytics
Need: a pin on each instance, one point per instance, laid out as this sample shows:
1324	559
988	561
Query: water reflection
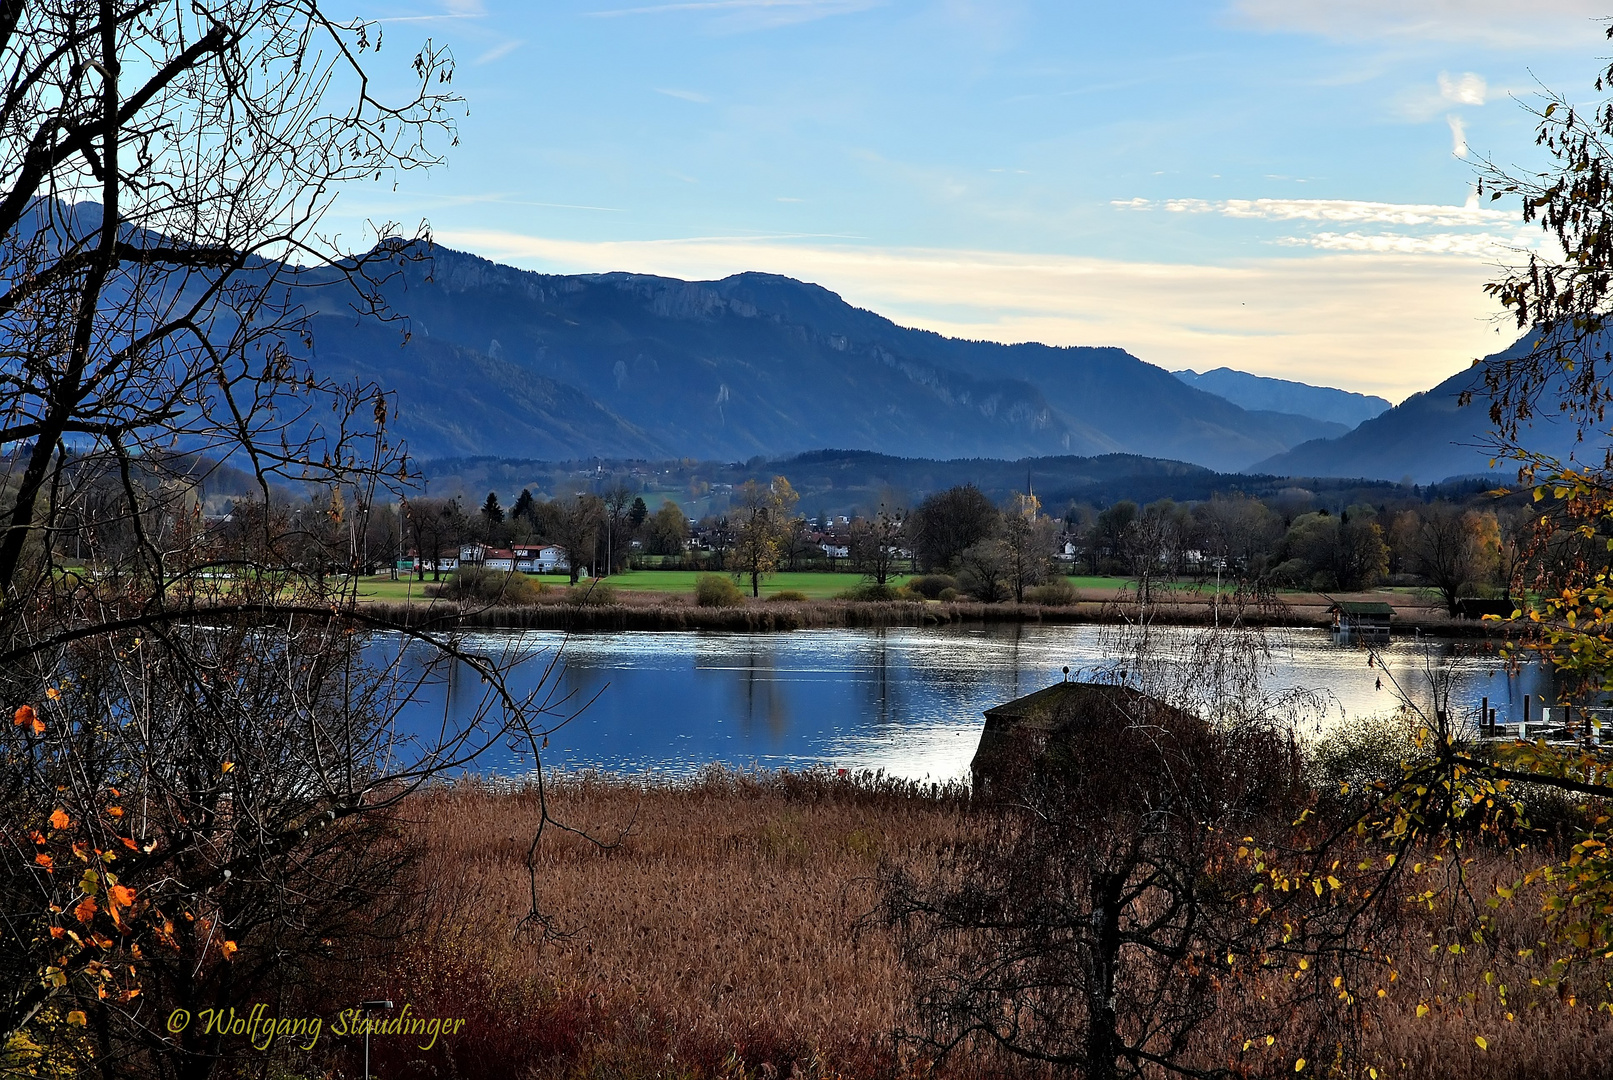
906	700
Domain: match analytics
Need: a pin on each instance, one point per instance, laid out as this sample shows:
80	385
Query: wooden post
1484	715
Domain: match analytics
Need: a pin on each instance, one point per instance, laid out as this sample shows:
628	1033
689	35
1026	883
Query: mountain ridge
1262	392
627	364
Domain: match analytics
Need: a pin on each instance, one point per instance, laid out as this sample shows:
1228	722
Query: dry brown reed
722	934
654	611
719	933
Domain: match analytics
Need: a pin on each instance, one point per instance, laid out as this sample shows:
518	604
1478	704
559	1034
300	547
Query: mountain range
1430	436
511	363
1282	395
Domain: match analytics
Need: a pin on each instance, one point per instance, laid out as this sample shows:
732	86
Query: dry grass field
721	933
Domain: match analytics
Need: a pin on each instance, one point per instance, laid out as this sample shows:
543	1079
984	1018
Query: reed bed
715	933
719	931
658	612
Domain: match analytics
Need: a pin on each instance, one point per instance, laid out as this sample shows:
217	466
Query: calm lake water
905	700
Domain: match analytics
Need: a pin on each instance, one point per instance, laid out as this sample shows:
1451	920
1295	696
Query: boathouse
1369	617
1023	732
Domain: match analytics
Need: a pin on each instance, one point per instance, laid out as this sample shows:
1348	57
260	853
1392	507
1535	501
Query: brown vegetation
725	935
567	610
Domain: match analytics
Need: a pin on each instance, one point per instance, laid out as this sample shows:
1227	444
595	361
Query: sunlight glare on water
905	700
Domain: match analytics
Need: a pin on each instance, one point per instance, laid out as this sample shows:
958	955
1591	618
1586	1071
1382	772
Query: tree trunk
1103	1038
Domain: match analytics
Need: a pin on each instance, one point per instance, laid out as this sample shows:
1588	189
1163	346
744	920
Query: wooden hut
1019	733
1366	617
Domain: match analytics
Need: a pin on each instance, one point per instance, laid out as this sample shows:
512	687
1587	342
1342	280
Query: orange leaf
43	860
59	819
24	715
121	894
53	693
86	909
57	932
229	949
115	811
77	1018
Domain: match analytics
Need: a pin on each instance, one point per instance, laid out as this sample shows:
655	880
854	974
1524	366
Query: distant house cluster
520	558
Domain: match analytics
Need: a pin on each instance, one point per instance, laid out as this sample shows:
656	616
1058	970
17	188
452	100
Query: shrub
483	586
594	594
930	586
716	590
787	595
1056	593
868	590
948	595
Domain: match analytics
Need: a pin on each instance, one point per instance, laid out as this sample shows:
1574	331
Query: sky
1279	186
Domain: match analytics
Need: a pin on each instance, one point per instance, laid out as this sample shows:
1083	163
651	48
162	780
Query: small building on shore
1021	733
1369	618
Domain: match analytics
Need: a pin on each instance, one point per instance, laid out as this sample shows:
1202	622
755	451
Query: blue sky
1276	185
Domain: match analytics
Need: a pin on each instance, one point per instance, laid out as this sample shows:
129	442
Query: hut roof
1362	607
1063	700
1027	723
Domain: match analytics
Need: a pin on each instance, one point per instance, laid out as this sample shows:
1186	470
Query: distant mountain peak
1283	395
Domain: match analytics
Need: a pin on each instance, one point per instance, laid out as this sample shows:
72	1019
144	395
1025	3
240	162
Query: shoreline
778	617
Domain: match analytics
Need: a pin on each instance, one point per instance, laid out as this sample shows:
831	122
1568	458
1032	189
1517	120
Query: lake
905	700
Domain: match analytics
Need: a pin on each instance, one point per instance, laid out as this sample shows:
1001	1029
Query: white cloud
1386	322
1335	211
1473	245
497	52
1458	135
1467	89
1504	23
684	95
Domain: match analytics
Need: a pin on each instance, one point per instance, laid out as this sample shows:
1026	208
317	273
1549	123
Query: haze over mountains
1429	437
510	363
1282	395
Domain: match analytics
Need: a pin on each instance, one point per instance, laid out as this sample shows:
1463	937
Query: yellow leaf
53	693
1422	1010
228	765
77	1018
1299	1066
1480	1040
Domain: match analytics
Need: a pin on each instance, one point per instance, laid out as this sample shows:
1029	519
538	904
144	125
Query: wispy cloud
1473	245
684	95
1458	135
1395	322
1337	211
497	52
1504	23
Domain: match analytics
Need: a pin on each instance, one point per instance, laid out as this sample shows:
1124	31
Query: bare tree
205	727
876	544
577	531
1085	927
436	525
